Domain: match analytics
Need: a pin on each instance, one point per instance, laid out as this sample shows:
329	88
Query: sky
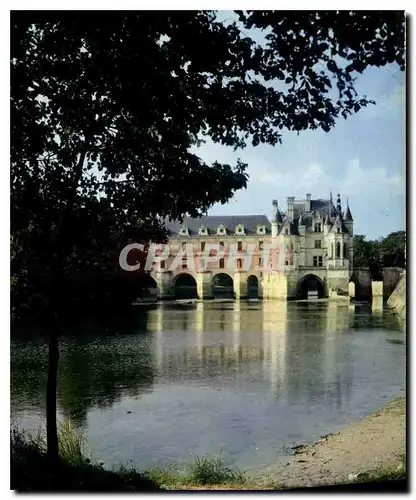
362	158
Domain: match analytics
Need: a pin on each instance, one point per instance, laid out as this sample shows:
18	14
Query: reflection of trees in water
28	367
96	368
99	373
294	348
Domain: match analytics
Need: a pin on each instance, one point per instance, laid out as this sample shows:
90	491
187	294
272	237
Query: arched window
345	251
333	250
338	247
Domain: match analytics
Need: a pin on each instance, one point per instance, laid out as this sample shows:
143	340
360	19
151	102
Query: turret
277	219
348	220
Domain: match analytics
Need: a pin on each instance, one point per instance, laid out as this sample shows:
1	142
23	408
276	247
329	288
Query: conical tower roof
348	215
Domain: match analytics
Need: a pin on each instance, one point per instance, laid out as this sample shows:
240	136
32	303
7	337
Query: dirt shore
375	443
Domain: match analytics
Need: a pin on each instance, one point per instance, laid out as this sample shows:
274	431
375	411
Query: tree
392	249
105	107
377	254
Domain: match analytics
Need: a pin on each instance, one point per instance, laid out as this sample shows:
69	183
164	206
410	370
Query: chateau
314	253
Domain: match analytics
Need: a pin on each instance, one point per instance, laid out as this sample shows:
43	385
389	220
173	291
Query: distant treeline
380	253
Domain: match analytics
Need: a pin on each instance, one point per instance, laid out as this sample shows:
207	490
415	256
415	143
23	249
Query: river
245	380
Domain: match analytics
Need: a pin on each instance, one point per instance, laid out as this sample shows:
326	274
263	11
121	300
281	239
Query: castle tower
348	220
277	221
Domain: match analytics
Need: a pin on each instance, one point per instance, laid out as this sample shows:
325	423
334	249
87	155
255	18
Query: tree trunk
52	382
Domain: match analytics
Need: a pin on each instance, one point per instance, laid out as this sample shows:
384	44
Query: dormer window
239	229
184	231
221	230
261	229
203	231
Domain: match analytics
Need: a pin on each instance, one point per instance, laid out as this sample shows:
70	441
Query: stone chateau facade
314	253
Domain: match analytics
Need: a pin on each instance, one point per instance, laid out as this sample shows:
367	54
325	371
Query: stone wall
391	278
361	278
397	300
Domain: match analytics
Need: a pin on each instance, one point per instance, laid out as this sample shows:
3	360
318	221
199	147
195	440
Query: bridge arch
252	287
310	284
184	285
147	286
222	286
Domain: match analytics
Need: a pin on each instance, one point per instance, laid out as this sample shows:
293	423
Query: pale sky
362	158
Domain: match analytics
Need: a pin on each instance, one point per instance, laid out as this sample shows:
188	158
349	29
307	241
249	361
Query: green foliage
203	471
211	470
31	471
106	107
392	249
105	110
72	444
385	252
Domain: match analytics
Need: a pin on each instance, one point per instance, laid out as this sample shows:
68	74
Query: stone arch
184	285
252	287
222	286
310	285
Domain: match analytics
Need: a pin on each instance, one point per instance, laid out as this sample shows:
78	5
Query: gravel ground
375	442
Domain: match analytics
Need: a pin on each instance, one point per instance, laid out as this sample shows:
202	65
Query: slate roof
348	215
212	222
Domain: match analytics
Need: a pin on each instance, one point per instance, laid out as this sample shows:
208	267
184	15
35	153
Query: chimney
275	209
290	207
274	220
308	203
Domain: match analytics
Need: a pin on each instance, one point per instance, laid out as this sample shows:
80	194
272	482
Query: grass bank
371	451
32	471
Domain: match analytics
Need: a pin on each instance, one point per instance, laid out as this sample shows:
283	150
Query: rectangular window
317	243
184	266
239	246
239	263
315	261
320	261
202	246
222	263
261	245
162	264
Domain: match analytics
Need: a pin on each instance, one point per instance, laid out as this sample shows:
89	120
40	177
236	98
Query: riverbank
371	447
370	450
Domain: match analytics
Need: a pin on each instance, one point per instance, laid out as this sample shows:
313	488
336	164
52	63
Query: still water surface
247	380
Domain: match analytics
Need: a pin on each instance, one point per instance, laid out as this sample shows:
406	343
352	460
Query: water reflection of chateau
291	347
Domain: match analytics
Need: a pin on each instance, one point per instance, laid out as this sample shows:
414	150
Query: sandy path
377	441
